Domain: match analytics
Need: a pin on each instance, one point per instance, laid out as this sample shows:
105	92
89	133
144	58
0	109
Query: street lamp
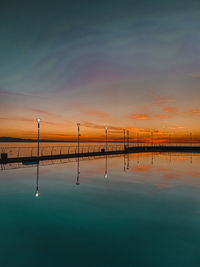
106	132
191	138
78	125
137	137
128	139
38	141
124	138
152	139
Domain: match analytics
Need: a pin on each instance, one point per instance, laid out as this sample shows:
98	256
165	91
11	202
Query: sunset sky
116	63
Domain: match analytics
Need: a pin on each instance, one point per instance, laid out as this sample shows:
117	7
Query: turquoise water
145	213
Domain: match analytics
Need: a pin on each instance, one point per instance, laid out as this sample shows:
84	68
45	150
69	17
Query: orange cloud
162	116
169	109
138	116
95	113
195	75
92	112
194	111
161	100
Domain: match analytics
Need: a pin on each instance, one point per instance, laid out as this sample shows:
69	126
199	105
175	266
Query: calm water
145	213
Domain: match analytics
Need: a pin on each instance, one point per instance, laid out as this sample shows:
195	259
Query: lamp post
137	136
106	132
128	139
170	139
78	125
191	139
152	139
38	141
124	138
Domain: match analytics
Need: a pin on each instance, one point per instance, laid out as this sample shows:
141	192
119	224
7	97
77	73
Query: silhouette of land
22	140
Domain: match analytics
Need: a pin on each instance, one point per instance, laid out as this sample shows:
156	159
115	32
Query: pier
30	154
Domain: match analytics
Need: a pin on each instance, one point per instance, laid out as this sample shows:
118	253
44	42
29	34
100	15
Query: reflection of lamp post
38	151
124	163
37	184
78	125
106	169
106	131
127	161
78	173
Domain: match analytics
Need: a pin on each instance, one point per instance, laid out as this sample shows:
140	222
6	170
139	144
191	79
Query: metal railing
17	152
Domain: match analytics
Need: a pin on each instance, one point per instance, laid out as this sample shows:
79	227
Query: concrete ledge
184	149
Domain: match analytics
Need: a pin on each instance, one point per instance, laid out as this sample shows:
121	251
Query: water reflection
37	181
143	163
78	172
106	168
126	162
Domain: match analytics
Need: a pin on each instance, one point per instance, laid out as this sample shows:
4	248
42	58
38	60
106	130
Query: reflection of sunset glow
170	176
143	168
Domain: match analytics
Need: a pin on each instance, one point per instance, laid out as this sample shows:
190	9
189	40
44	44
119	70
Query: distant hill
21	140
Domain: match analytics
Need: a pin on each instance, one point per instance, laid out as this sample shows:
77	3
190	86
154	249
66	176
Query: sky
116	63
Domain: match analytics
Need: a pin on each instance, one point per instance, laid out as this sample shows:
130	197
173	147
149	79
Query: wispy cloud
169	109
20	94
161	100
194	112
100	126
139	116
195	75
162	116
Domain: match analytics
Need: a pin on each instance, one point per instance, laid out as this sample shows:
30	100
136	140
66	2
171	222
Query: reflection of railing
17	152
